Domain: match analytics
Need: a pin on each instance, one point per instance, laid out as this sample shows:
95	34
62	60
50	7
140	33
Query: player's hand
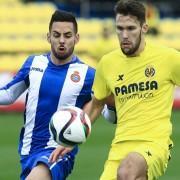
60	151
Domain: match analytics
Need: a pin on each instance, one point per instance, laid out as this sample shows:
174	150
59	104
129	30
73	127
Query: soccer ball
70	126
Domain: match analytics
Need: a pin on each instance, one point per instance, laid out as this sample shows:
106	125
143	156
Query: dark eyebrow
68	32
55	32
118	26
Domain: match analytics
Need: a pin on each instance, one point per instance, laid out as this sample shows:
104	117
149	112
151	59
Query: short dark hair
131	7
63	16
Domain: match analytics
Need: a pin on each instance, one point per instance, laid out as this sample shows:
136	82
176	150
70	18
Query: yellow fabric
143	88
155	155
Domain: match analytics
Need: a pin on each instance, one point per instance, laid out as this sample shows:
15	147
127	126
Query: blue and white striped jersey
48	87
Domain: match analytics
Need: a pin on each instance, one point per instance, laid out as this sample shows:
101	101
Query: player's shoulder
160	48
28	61
34	61
82	63
169	57
37	57
110	58
112	54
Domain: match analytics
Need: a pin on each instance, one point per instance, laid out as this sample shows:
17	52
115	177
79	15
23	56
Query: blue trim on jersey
85	94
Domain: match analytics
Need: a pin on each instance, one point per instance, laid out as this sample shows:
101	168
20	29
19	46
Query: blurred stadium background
23	29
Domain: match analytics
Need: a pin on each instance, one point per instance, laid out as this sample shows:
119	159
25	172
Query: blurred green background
92	155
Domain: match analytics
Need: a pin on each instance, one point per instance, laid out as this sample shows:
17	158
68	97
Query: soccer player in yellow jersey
142	76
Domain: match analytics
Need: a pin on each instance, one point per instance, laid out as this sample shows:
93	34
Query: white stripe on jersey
35	82
67	98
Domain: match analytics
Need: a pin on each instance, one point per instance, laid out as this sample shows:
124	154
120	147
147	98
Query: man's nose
61	39
125	34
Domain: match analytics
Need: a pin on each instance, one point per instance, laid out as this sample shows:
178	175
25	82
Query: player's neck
141	47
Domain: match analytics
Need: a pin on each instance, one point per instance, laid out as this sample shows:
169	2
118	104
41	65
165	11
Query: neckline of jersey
73	60
138	57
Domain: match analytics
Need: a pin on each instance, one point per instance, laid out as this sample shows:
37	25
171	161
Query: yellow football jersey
143	89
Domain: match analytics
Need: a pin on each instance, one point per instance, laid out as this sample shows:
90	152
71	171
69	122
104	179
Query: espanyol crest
75	77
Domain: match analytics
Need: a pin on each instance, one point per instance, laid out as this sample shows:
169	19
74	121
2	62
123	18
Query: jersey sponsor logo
149	71
141	90
36	69
146	95
75	77
136	87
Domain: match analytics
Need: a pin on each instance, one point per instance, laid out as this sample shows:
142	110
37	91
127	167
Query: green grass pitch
92	154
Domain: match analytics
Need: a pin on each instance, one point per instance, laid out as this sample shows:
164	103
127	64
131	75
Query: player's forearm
5	98
94	108
10	93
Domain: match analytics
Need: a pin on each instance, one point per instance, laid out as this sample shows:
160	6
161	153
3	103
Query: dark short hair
63	16
131	7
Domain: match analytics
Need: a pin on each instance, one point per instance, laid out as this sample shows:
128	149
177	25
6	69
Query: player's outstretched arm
10	93
20	82
94	108
108	111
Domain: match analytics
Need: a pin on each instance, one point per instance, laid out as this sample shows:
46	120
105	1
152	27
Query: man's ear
77	38
48	38
145	28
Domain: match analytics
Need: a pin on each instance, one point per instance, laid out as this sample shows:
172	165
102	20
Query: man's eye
56	35
119	28
131	28
68	35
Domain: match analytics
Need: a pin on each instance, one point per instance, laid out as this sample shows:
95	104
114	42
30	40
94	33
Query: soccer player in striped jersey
52	80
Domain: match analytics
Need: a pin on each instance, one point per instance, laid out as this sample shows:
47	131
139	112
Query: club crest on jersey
149	71
75	77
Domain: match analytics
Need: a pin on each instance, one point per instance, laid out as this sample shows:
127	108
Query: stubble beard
134	49
62	57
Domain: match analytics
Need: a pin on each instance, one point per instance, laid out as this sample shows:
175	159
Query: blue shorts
59	170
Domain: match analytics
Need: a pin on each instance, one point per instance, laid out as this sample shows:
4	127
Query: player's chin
61	53
126	51
62	56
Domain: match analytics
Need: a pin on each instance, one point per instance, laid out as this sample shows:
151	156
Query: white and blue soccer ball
70	126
